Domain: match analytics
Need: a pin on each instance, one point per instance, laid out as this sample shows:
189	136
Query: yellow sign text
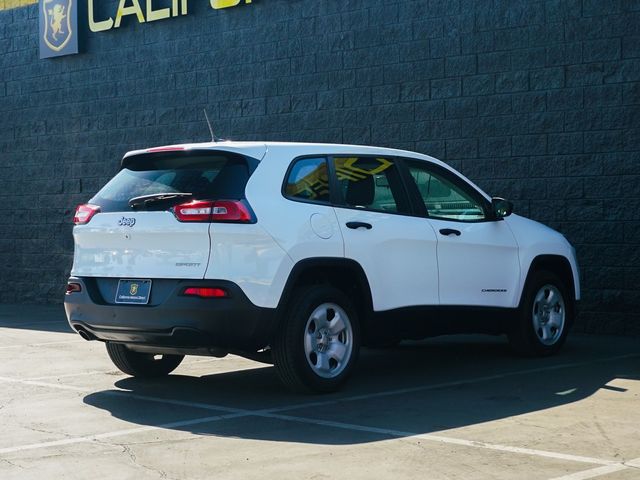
150	13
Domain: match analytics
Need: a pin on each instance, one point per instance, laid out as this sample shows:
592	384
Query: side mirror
501	207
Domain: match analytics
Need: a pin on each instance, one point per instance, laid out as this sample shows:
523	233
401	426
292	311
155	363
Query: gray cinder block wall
537	101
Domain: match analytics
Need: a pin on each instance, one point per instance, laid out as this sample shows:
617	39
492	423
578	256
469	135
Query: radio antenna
214	139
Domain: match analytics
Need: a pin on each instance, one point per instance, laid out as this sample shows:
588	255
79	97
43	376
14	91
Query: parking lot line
238	413
273	414
180	403
117	433
43	344
70	375
441	439
36	383
596	472
457	383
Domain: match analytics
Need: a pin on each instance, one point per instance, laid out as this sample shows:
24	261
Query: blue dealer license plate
133	291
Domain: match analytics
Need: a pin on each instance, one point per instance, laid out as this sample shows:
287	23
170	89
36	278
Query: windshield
205	176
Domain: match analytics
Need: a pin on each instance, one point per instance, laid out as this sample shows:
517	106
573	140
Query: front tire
142	365
318	342
544	317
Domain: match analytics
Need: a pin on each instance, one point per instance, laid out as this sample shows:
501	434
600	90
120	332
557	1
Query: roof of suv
258	149
290	150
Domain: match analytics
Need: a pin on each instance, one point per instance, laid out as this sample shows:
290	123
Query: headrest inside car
361	192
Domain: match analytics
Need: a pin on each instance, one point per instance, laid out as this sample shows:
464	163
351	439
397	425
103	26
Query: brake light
165	149
233	211
73	288
84	213
206	292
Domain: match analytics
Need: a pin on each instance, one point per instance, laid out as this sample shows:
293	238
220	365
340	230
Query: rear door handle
356	225
450	231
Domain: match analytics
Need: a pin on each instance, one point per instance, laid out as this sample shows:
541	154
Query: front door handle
356	225
450	231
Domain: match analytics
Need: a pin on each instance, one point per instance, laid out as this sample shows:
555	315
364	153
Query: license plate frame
133	291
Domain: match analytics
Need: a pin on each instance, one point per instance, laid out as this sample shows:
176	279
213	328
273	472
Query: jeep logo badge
127	222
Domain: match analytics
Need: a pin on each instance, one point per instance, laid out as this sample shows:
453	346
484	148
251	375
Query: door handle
450	231
356	225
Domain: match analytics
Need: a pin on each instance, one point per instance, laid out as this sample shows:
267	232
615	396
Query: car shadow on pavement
45	318
418	388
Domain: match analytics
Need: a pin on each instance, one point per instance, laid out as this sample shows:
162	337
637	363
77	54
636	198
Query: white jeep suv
298	254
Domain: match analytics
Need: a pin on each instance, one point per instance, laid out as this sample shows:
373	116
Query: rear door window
371	183
207	176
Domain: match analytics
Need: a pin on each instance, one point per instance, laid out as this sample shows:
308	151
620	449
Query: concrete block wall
536	101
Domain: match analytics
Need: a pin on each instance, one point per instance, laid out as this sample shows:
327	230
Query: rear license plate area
133	292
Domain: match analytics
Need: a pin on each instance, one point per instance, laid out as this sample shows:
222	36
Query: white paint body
406	261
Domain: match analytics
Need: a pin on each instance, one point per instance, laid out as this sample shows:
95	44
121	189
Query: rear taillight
232	211
205	292
84	213
73	288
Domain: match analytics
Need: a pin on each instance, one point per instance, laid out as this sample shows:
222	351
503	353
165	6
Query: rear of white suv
297	254
143	246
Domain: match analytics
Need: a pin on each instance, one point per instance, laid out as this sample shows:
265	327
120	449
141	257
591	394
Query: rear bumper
174	320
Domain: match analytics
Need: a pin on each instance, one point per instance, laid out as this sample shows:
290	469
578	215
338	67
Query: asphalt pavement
444	408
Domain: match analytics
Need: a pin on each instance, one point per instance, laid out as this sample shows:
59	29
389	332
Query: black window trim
415	201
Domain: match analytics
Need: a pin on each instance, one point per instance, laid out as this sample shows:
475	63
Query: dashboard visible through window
443	198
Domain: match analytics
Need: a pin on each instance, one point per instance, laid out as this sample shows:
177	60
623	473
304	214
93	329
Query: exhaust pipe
84	334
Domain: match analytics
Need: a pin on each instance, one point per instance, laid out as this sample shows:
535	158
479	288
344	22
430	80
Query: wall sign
59	19
58	28
150	13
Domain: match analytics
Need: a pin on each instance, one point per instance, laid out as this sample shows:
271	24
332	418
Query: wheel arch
557	264
342	273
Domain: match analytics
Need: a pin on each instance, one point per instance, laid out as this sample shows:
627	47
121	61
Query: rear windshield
207	176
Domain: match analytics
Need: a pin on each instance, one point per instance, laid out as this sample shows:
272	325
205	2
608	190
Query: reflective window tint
309	180
444	199
371	183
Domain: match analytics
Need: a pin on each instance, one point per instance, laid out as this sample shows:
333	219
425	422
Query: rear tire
142	365
544	317
318	343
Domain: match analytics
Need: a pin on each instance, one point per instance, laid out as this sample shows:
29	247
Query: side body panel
291	232
248	256
398	255
480	267
535	239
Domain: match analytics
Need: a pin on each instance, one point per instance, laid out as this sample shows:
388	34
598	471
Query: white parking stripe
594	472
35	383
455	383
43	344
441	439
181	403
272	413
71	375
238	413
367	396
117	433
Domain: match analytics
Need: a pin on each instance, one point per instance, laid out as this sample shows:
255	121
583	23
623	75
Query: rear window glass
205	176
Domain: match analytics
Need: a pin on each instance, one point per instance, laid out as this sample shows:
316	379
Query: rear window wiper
146	200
